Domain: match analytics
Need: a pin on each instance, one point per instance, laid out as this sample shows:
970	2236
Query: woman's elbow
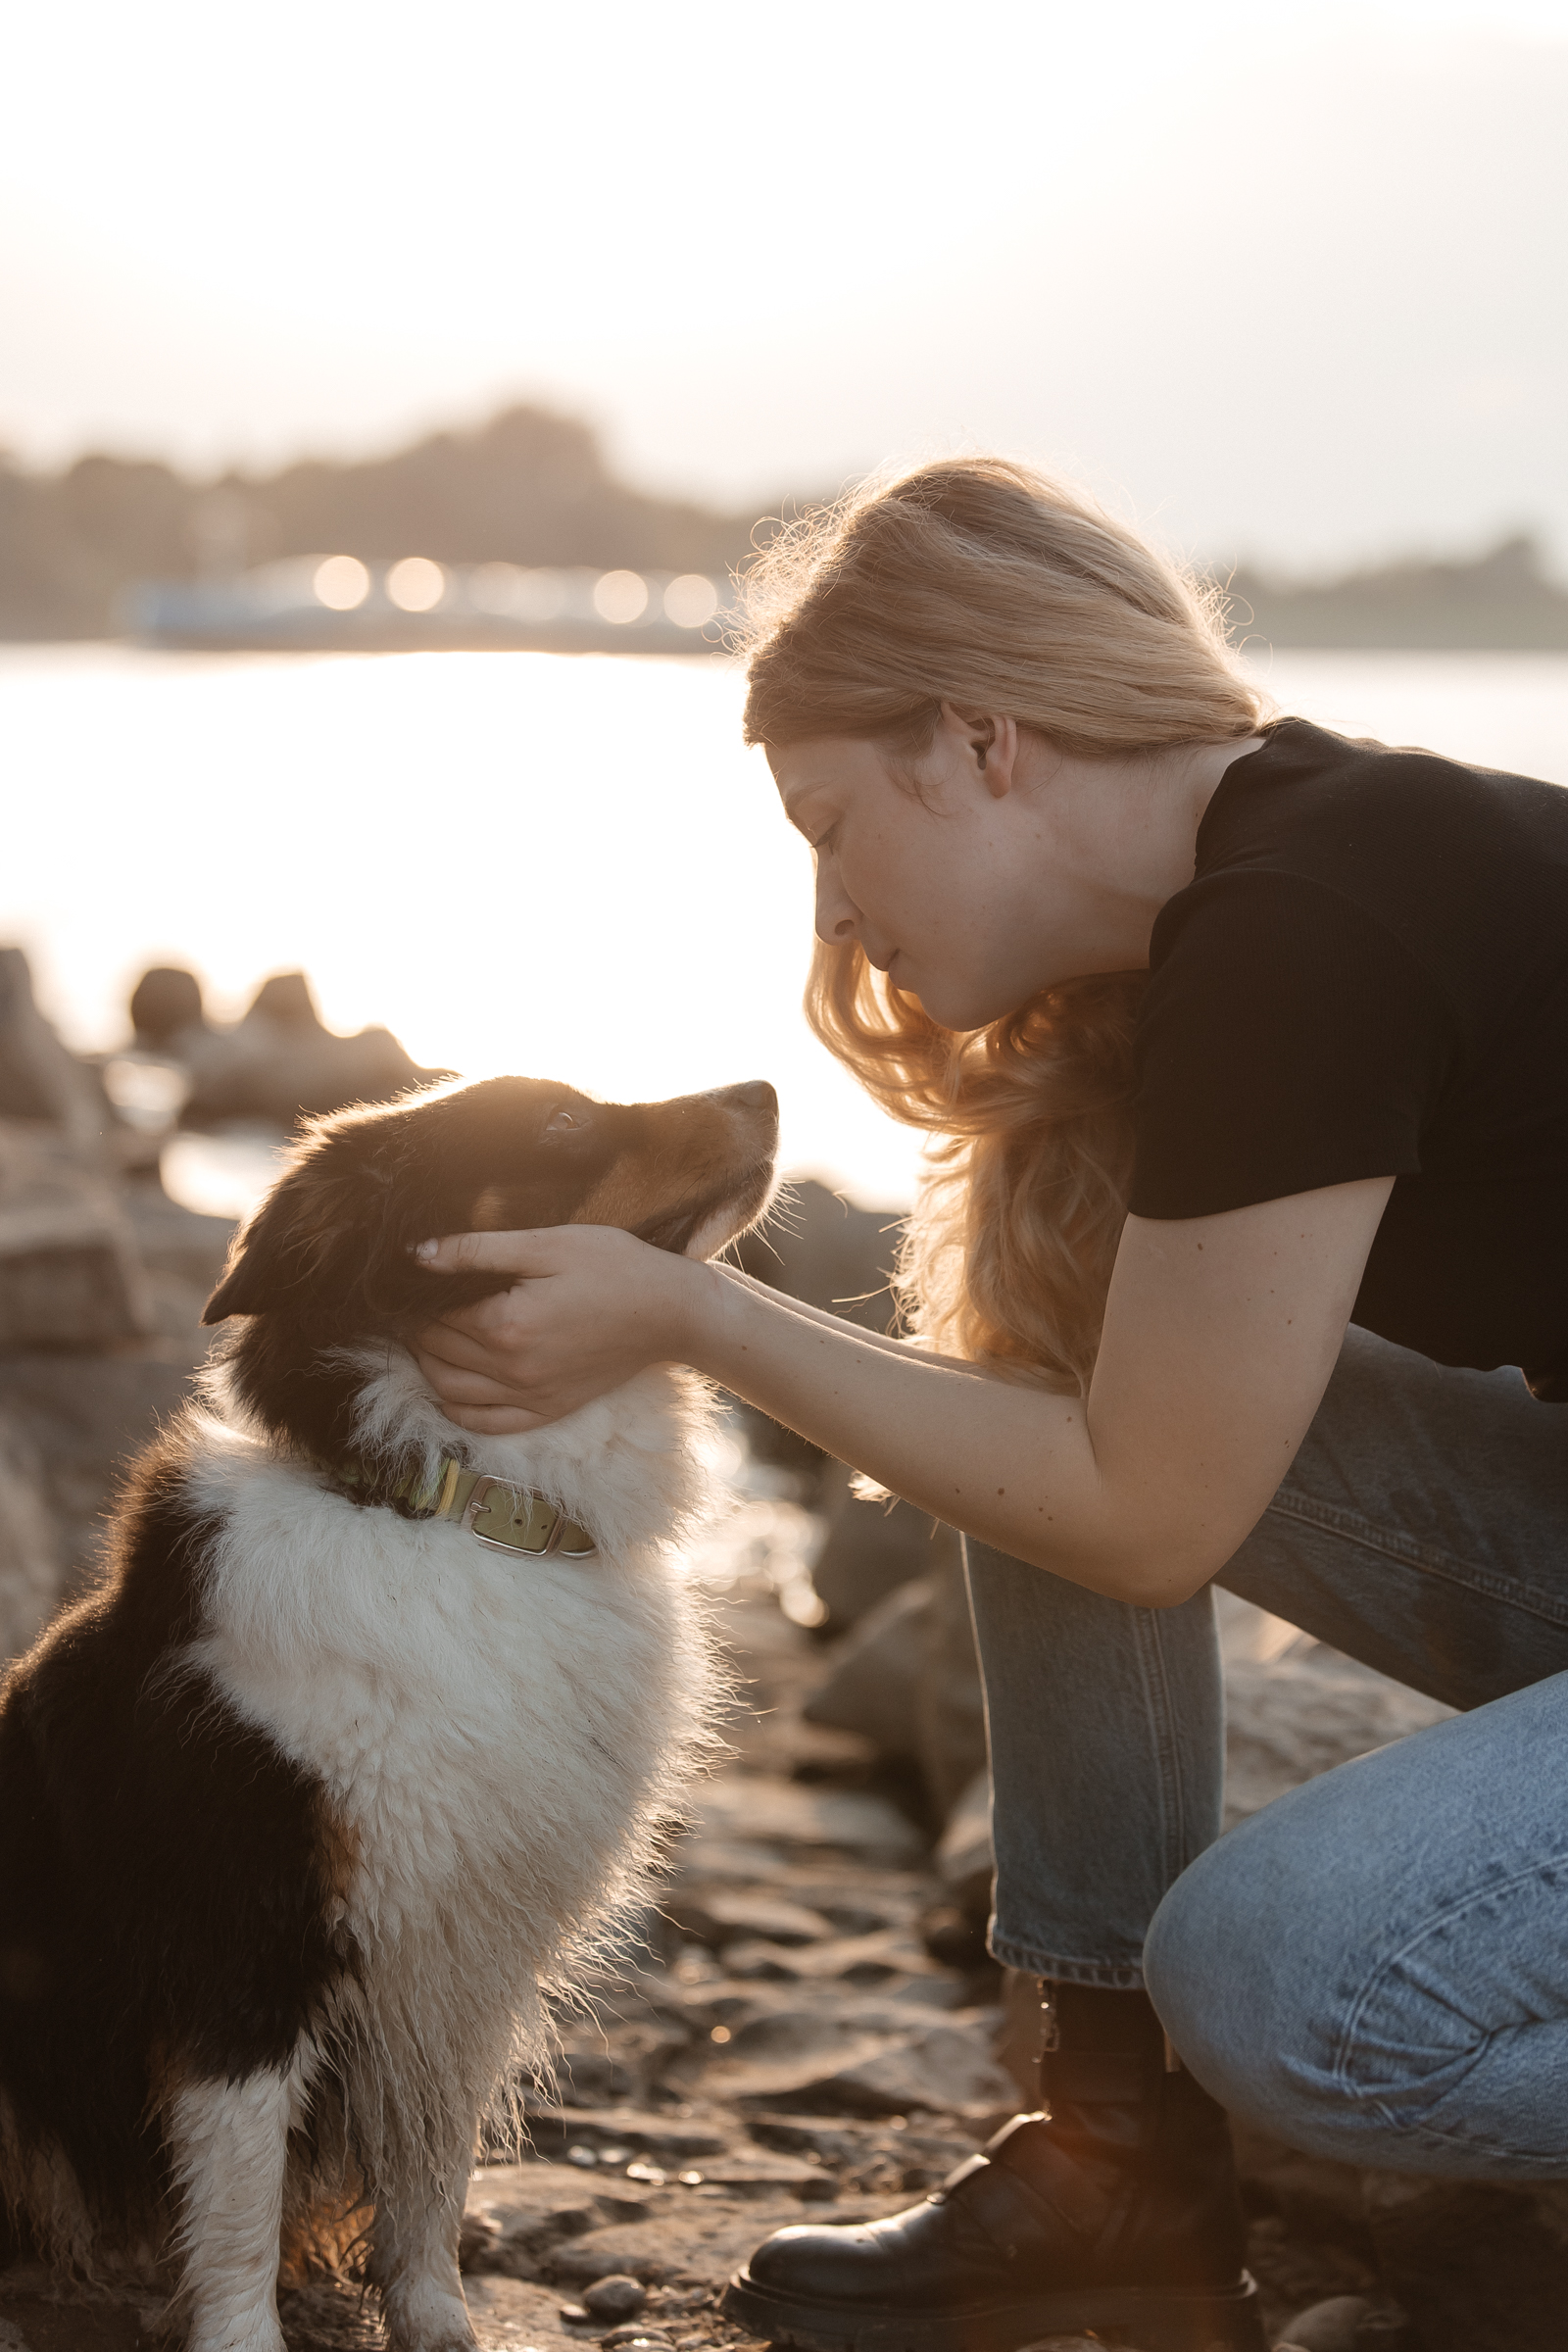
1155	1575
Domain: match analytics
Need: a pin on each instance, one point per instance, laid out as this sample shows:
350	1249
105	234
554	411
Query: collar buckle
511	1518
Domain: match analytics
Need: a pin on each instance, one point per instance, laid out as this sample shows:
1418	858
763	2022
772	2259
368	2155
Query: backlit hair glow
993	586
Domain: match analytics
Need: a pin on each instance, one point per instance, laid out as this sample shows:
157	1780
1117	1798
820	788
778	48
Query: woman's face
971	897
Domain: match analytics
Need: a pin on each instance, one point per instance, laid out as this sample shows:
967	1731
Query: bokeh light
690	600
620	597
340	583
416	585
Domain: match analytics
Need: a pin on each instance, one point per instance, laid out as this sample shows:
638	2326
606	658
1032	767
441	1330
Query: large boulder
69	1273
907	1676
870	1548
40	1080
823	1251
281	1062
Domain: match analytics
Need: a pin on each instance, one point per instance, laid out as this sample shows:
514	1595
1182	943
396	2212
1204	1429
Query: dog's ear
306	1226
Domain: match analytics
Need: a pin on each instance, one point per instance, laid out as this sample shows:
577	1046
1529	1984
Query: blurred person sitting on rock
1244	1048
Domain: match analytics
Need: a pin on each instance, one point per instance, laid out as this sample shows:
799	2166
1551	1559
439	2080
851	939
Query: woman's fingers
495	1421
456	1384
525	1252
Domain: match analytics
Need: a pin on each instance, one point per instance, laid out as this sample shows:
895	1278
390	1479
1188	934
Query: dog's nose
755	1094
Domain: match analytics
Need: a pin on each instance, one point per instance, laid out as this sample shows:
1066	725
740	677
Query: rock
871	1548
1479	2266
518	2215
948	2069
713	2240
69	1273
718	1915
616	2297
668	2138
621	2339
908	1679
39	1079
848	1959
171	1240
826	1252
1292	1717
870	2060
31	1562
281	1062
1338	2326
963	1855
838	2140
736	1805
165	1005
81	1419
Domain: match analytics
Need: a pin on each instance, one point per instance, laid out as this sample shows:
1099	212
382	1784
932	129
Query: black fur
162	1894
325	1263
169	1877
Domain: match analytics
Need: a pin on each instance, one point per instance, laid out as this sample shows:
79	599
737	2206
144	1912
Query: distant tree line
1501	602
530	487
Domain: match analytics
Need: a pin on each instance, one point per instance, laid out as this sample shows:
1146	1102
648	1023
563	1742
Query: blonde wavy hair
997	588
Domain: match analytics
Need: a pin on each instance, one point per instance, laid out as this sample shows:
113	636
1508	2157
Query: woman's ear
988	745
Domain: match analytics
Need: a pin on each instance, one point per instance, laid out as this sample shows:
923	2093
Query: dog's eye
560	1120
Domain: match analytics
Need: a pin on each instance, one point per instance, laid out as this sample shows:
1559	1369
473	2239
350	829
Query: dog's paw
428	2319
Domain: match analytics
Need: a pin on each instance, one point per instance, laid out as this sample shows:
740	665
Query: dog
367	1738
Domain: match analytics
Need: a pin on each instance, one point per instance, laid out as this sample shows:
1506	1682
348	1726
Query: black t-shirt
1368	976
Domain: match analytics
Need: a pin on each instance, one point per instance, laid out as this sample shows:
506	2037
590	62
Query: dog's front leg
228	2143
414	2261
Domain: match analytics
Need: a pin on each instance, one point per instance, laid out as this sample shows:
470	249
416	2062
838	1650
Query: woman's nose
837	916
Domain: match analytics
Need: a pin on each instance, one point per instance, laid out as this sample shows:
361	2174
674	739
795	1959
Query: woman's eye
824	841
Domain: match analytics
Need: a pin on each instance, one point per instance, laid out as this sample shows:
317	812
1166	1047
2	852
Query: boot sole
1151	2319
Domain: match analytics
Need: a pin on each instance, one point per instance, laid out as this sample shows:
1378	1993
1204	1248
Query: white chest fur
496	1733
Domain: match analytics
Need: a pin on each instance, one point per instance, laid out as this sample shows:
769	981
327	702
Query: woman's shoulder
1347	811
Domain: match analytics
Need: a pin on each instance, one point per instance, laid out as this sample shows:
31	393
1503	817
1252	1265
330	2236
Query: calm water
516	861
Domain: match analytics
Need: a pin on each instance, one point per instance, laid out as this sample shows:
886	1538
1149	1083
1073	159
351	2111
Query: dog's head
327	1262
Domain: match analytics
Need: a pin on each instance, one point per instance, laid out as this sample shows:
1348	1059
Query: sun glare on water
514	862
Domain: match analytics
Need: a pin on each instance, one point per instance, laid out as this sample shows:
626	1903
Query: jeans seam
1167	1749
1342	2074
1529	1599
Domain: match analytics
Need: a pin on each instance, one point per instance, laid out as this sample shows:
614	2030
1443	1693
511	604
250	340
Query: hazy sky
1287	279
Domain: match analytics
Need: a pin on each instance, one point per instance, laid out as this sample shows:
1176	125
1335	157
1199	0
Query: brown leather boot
1114	2208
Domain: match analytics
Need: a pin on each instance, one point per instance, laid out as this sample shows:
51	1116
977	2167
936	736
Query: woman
1248	1051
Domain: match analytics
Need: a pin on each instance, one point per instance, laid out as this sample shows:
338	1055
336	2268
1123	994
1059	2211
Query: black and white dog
366	1736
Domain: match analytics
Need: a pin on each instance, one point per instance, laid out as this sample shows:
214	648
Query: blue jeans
1374	1966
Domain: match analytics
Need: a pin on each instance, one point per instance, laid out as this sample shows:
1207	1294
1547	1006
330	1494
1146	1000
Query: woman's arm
1220	1334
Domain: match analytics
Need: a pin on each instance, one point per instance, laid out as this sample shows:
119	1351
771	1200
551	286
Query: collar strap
495	1511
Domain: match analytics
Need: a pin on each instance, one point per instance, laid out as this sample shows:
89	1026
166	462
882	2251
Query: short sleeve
1287	1040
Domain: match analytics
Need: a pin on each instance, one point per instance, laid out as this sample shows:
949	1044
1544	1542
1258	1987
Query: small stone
1331	2327
584	2156
617	2297
624	2339
573	2315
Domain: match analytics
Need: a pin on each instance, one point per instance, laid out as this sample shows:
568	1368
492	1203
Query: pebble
617	2297
631	2339
1330	2327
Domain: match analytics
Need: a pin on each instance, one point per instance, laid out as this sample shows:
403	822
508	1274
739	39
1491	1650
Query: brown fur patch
681	1146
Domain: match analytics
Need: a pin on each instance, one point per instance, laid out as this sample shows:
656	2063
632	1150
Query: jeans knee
1180	1957
1235	1991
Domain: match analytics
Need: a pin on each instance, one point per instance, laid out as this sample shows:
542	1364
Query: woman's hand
593	1305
